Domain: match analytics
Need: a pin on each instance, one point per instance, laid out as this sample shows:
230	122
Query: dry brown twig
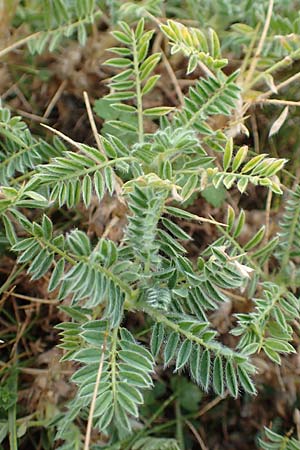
197	435
32	299
62	136
55	99
275	101
93	124
261	42
279	86
211	404
173	78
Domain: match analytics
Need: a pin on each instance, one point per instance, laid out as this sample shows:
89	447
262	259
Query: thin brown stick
54	99
109	226
6	294
280	86
296	417
211	405
92	123
34	371
31	299
285	83
22	98
248	53
173	77
261	42
94	398
280	379
31	116
21	327
230	294
275	101
12	87
18	44
197	435
63	136
118	181
183	82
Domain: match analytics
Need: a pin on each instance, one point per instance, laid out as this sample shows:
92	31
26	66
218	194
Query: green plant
276	441
51	21
148	272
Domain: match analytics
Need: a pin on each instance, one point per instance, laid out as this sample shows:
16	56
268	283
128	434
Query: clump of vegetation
136	235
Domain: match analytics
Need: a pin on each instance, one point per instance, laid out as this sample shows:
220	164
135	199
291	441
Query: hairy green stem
217	94
12	427
215	347
179	425
291	237
242	251
125	287
113	363
149	422
263	318
80	173
159	213
139	98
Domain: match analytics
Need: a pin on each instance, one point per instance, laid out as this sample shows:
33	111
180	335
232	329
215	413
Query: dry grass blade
55	99
61	135
261	42
18	44
94	398
93	124
197	435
